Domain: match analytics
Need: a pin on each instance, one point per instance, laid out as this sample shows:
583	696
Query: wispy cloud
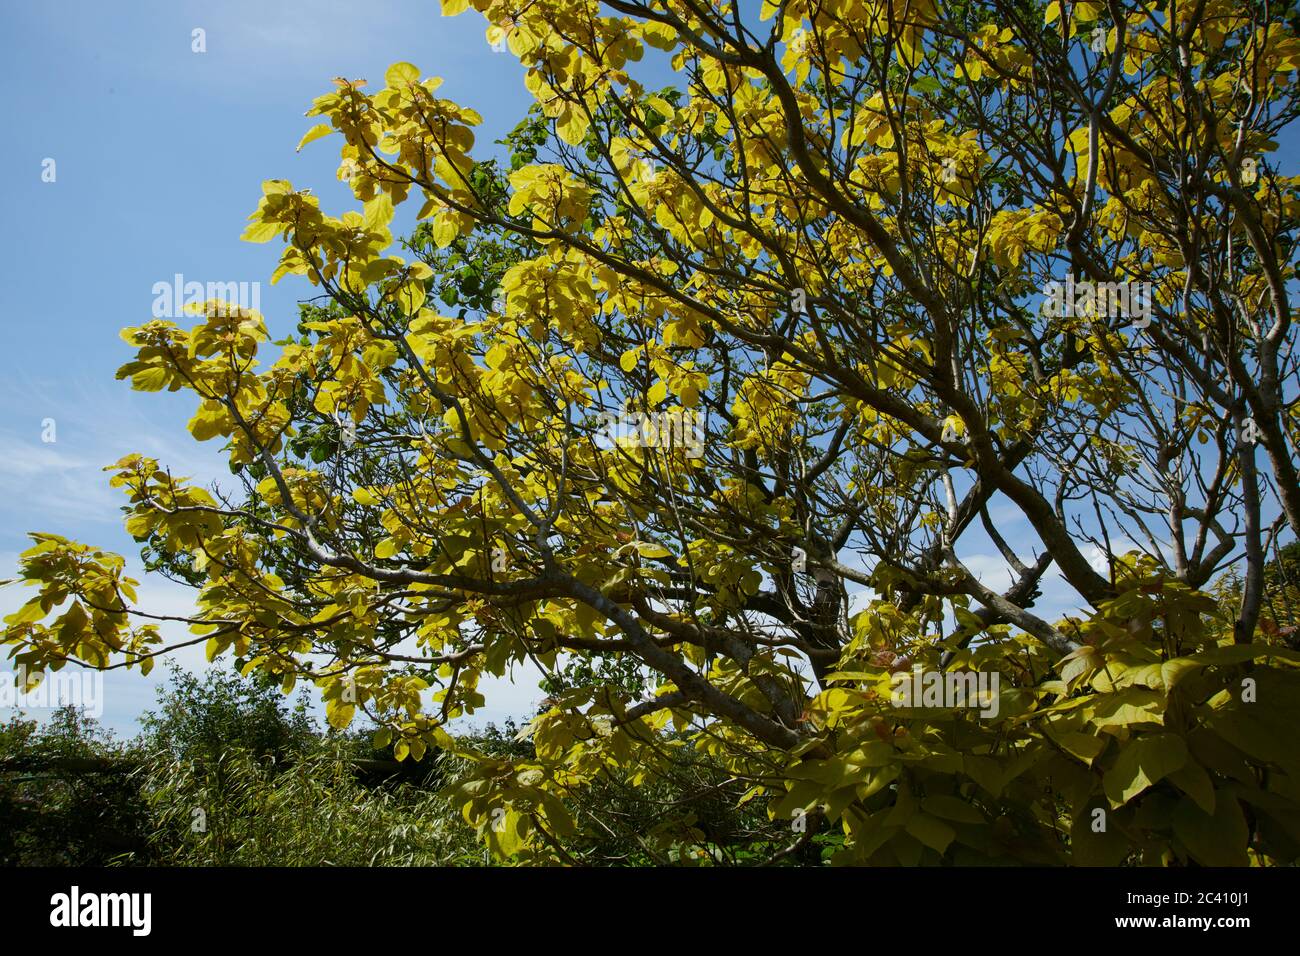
40	483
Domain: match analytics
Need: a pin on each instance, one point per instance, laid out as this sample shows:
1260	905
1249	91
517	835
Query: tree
773	345
67	797
198	719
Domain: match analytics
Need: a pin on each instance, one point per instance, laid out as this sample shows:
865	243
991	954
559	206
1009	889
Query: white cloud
43	484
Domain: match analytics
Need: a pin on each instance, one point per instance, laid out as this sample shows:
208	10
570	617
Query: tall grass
240	810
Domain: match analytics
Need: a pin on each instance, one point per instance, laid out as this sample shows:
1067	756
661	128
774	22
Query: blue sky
159	155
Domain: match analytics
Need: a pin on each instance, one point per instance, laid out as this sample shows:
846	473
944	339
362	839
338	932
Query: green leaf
151	378
1086	747
558	817
952	808
931	831
1254	733
1127	708
984	771
1089	848
1195	782
512	837
29	613
1213	840
1145	761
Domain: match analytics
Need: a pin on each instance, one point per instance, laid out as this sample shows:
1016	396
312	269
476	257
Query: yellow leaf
444	230
404	74
315	133
339	714
378	212
572	126
261	232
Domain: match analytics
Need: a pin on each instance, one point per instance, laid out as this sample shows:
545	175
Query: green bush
56	809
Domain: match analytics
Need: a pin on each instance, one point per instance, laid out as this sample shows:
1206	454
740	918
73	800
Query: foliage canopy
772	345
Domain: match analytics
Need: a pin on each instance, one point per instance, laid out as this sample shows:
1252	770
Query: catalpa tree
742	372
